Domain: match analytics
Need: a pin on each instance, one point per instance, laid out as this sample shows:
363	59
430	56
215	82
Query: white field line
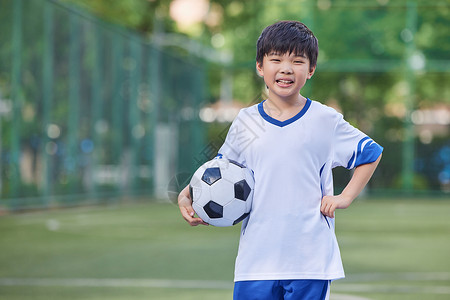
407	276
117	282
349	285
140	283
334	296
388	289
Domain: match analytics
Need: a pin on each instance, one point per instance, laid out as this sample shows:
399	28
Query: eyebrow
279	54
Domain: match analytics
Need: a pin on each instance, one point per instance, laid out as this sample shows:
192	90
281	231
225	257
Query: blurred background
102	99
107	102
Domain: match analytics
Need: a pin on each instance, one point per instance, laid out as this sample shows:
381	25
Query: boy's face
285	74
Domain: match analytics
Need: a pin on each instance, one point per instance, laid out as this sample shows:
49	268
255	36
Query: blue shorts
282	289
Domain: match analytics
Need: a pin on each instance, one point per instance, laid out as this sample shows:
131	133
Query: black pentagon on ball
211	175
241	218
241	190
213	210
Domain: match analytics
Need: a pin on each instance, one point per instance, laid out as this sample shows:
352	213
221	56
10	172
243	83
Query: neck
283	110
286	103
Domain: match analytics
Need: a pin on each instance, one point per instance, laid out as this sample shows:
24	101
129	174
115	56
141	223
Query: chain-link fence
90	111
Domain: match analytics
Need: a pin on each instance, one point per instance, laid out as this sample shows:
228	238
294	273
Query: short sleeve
351	147
231	148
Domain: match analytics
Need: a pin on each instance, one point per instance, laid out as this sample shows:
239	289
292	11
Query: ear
260	69
311	72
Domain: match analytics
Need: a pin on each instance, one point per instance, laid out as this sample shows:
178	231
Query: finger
322	209
328	206
198	221
331	210
188	214
328	210
324	206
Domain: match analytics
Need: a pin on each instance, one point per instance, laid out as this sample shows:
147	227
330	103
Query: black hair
288	37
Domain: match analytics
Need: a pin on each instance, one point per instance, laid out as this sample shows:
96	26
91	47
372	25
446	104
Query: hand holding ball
222	192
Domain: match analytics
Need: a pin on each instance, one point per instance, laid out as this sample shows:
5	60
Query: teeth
284	81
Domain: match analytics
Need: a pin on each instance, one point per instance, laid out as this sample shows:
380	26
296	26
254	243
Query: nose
286	68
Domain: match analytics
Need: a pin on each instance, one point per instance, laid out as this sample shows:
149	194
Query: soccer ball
222	192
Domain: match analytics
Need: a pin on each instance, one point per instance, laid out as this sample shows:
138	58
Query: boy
288	248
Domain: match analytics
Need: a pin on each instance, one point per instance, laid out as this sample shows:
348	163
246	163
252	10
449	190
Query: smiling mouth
283	81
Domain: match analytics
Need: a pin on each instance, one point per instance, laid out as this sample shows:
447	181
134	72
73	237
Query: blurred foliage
381	36
133	14
367	49
84	100
362	70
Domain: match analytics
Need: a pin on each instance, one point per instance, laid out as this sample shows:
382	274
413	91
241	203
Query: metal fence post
16	96
70	163
96	104
47	99
154	81
408	142
134	113
117	103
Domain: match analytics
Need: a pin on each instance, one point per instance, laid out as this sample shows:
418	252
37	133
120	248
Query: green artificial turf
392	249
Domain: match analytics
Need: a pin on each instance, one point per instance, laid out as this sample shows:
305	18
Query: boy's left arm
360	178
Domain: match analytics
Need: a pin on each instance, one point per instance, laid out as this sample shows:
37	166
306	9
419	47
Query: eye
275	60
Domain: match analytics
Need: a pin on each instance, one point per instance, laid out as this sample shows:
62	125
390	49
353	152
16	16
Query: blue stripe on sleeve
350	162
360	144
369	154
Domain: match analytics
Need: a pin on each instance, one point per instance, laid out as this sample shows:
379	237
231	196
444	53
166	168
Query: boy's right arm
185	205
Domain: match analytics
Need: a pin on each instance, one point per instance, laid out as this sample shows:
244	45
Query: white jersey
286	236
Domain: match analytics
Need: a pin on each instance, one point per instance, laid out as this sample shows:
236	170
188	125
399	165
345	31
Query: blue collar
286	122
